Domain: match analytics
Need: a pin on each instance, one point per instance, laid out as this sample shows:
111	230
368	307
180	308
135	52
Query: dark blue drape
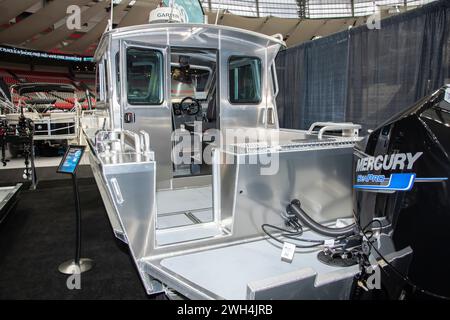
363	75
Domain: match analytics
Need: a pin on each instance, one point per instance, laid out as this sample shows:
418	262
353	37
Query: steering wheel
192	108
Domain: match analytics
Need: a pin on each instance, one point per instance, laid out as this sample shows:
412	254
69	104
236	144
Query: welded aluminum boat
187	152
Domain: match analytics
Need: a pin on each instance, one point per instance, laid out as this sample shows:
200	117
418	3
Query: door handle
129	117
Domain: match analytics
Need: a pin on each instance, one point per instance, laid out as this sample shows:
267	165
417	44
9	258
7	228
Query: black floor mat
39	235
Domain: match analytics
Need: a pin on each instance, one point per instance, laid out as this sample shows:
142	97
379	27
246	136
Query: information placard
71	159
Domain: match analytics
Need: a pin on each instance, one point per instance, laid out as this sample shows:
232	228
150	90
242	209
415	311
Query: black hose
306	220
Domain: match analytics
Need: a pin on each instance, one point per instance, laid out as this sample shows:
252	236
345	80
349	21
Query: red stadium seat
64	105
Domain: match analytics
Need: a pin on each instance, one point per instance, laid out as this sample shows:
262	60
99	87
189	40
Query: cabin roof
174	28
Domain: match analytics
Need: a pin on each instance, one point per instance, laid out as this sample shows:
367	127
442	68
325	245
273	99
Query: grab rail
117	141
145	141
328	126
133	136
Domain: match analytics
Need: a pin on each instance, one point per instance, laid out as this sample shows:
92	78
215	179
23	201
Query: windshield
191	73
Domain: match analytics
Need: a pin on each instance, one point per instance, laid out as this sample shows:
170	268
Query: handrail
328	123
145	141
275	78
278	36
338	127
139	141
133	136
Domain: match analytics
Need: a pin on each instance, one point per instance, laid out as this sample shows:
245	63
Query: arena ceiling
41	24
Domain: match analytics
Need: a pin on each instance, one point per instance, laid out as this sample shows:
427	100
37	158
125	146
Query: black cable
264	226
371	223
302	239
298	231
297	224
290	233
405	278
371	231
343	232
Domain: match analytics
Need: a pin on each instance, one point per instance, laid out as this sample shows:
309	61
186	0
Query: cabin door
144	74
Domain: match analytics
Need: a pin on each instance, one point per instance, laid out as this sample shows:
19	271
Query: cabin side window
244	80
144	76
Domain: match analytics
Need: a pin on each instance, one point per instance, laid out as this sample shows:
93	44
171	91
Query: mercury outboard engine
402	177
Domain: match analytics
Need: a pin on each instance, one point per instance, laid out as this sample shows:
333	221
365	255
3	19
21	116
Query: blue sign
44	55
396	182
71	159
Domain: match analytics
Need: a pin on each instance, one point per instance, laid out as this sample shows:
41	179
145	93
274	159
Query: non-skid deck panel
167	221
183	200
227	271
190	233
203	215
173	220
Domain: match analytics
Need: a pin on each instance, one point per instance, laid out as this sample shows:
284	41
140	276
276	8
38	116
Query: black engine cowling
402	174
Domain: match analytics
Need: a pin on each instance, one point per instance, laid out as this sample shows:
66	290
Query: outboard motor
402	178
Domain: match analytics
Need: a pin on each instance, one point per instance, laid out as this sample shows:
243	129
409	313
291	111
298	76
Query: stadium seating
8	78
11	77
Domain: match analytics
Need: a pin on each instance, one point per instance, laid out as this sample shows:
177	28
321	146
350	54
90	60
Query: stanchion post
68	165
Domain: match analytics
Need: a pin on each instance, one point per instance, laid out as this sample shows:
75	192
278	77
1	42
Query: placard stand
68	165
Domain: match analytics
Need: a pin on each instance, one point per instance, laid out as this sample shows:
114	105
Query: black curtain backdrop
366	75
